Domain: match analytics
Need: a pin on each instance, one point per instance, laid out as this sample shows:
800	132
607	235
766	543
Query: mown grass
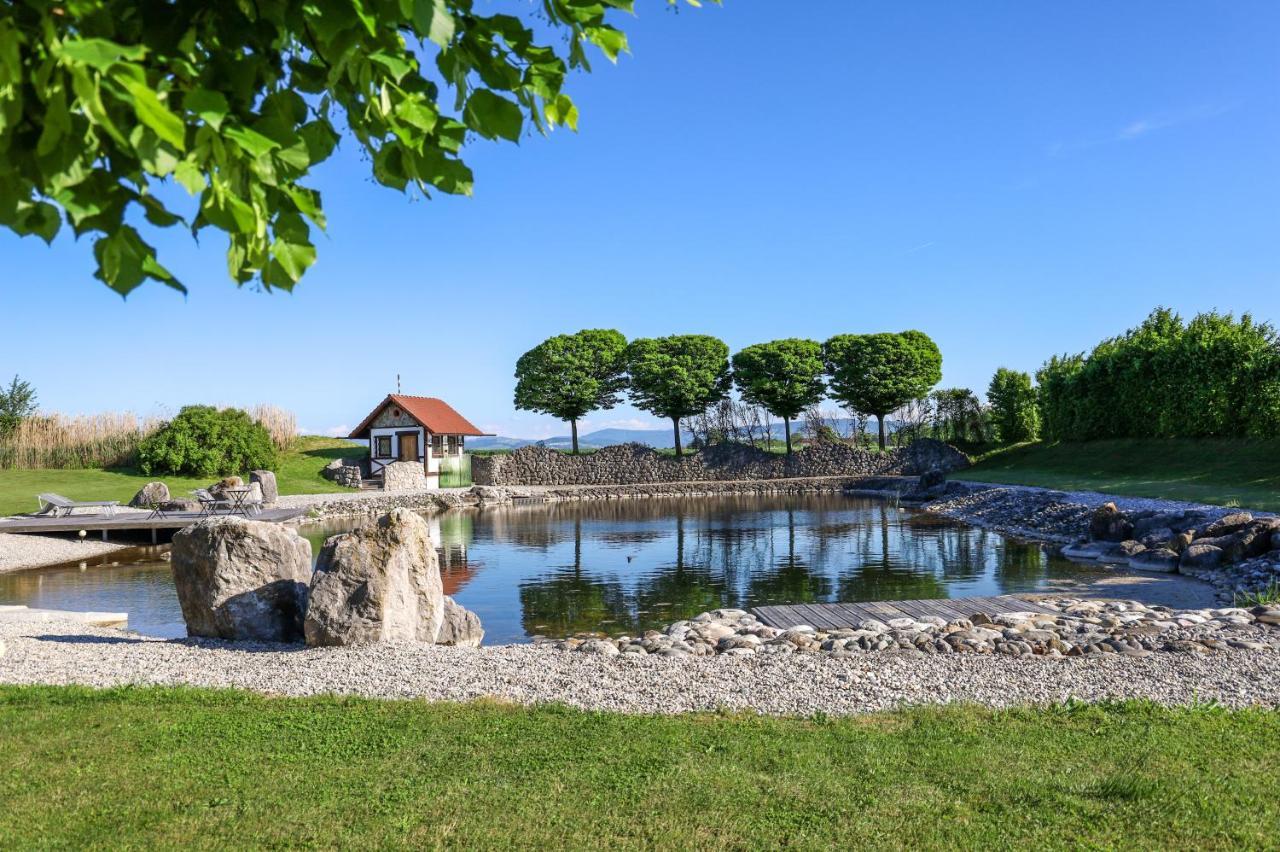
165	768
297	473
1222	472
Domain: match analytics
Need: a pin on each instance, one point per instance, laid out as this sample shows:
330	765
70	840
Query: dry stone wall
630	464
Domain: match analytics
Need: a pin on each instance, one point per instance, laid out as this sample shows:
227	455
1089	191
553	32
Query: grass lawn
1224	472
164	768
298	472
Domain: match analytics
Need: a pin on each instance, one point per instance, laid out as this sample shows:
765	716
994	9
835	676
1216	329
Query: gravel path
1093	499
32	551
63	654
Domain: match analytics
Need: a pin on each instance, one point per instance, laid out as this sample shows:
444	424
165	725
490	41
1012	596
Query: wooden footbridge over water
104	524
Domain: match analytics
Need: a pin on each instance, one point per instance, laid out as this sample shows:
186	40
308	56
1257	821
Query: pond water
623	566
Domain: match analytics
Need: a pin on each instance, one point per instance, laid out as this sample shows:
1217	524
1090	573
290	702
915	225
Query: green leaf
99	53
251	141
42	220
397	65
125	261
294	258
189	175
152	112
321	139
432	19
612	41
562	111
210	106
417	114
492	116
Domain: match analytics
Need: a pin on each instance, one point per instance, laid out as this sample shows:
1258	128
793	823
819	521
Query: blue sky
1014	178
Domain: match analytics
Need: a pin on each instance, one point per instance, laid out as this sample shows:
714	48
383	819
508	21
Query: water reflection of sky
627	565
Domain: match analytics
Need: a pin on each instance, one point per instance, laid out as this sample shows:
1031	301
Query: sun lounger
57	506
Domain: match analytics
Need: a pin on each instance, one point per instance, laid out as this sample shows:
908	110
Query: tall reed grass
107	440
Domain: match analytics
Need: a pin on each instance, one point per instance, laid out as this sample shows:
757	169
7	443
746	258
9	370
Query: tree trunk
786	427
880	420
676	422
573	426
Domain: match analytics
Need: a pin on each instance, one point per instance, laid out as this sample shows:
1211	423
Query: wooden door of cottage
408	446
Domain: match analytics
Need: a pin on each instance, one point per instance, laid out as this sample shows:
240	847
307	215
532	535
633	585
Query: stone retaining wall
629	464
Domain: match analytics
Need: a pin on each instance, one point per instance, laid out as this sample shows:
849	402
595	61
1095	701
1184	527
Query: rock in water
1160	560
380	583
151	494
267	482
1108	523
239	579
460	627
1201	556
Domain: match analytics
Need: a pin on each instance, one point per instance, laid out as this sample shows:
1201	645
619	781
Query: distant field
1222	472
297	473
179	768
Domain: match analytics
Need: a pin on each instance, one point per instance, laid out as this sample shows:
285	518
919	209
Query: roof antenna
397	383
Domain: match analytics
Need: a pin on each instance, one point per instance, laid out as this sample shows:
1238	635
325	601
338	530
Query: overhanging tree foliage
782	376
879	373
570	375
104	102
678	376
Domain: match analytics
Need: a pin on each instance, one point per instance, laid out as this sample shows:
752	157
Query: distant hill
657	438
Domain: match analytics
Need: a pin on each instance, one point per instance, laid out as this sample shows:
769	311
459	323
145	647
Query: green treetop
570	375
678	376
876	374
782	376
104	101
1013	406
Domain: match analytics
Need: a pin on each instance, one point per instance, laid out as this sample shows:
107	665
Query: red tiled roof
436	415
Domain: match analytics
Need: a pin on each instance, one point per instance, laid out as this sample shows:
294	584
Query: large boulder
380	583
1226	525
460	626
1201	556
240	579
1108	523
266	482
404	476
149	495
1159	560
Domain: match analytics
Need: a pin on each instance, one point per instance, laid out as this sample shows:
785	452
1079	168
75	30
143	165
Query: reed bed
107	440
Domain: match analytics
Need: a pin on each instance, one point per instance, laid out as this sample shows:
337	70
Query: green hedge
1214	376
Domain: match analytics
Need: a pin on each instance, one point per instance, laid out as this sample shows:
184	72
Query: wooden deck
836	615
103	524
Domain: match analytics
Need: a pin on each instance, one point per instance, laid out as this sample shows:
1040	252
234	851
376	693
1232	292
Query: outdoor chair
57	506
210	505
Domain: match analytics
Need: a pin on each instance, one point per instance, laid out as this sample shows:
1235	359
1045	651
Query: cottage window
453	445
437	445
382	447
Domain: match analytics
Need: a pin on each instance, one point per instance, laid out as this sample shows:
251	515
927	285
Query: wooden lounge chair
57	506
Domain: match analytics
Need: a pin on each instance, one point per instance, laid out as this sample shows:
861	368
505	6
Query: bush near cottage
205	441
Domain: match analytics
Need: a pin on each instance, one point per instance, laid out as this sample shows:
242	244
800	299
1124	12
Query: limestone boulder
1156	560
460	626
403	476
240	579
1108	523
1201	556
151	494
266	482
1226	525
379	583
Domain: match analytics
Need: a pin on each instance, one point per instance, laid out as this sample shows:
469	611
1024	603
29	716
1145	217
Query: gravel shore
32	551
524	674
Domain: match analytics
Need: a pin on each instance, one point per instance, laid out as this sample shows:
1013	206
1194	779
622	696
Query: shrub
1212	377
203	441
1013	406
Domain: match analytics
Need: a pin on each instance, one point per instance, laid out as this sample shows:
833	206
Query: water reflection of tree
790	578
889	563
572	601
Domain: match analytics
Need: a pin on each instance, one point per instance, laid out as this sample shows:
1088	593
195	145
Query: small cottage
414	428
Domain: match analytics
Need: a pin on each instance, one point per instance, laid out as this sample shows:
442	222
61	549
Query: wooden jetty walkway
121	521
832	616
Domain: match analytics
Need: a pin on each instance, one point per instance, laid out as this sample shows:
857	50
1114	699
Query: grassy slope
297	473
1237	472
181	768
